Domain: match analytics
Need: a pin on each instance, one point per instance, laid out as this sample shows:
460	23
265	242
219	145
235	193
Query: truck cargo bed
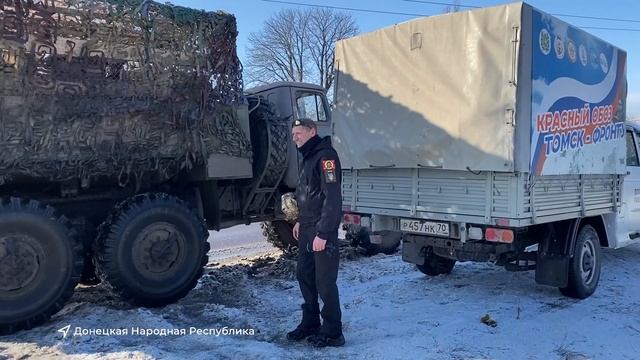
506	199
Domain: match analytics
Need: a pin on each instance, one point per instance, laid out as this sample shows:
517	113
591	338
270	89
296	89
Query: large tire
152	249
260	119
40	263
280	234
390	241
584	267
361	237
435	265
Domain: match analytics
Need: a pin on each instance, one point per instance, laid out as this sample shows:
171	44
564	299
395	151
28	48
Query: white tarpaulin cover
434	91
454	91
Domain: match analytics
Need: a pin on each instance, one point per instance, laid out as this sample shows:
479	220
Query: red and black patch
328	165
329	170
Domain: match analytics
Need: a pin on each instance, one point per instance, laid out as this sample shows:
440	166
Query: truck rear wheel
387	241
584	267
435	265
40	263
152	249
280	234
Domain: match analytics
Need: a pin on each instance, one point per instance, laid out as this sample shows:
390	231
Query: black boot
300	333
322	340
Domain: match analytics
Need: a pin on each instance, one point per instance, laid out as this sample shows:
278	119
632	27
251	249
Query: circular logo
545	41
604	64
558	45
593	59
328	165
571	51
583	55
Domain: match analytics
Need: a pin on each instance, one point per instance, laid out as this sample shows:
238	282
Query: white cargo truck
496	135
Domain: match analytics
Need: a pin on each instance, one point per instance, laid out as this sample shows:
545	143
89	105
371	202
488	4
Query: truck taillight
499	235
475	233
351	219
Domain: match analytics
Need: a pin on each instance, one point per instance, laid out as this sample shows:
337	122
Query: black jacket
318	193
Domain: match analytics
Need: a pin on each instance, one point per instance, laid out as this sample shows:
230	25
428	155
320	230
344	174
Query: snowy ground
237	242
390	311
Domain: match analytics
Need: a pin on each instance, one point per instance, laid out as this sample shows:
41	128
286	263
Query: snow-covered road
237	242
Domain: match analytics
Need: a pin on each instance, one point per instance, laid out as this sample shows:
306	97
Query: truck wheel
584	267
259	120
354	235
40	263
152	249
388	240
280	234
435	265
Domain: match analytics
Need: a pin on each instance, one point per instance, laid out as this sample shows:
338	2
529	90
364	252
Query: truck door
628	225
312	105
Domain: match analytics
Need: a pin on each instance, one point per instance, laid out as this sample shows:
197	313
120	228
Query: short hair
308	123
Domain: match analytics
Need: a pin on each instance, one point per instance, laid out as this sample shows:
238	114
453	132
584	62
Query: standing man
320	212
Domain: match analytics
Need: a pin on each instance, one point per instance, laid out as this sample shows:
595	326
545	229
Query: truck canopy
506	88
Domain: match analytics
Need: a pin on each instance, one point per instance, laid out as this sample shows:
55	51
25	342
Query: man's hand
319	244
296	230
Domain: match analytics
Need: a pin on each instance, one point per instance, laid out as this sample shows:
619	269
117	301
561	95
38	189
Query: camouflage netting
128	90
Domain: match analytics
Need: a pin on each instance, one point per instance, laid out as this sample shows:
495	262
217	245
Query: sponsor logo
571	51
583	55
545	41
558	45
604	64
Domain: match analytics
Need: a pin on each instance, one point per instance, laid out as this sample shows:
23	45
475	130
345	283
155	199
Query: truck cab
623	226
294	100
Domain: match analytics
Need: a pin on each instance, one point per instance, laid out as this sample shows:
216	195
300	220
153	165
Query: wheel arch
599	224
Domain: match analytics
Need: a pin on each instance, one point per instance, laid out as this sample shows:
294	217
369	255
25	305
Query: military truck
494	135
125	136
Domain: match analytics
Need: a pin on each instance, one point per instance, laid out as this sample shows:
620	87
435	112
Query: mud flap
412	250
555	252
552	270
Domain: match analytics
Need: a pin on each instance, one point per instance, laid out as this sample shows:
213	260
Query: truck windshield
311	106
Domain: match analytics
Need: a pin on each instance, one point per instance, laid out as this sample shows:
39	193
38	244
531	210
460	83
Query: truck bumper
415	248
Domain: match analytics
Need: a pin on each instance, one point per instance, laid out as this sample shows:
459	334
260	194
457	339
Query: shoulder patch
328	165
329	170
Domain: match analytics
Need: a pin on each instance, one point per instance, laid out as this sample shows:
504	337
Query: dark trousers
317	273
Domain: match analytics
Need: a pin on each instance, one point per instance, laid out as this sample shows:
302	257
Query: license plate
424	227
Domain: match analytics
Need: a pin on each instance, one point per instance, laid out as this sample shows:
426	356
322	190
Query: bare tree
298	45
326	27
277	53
